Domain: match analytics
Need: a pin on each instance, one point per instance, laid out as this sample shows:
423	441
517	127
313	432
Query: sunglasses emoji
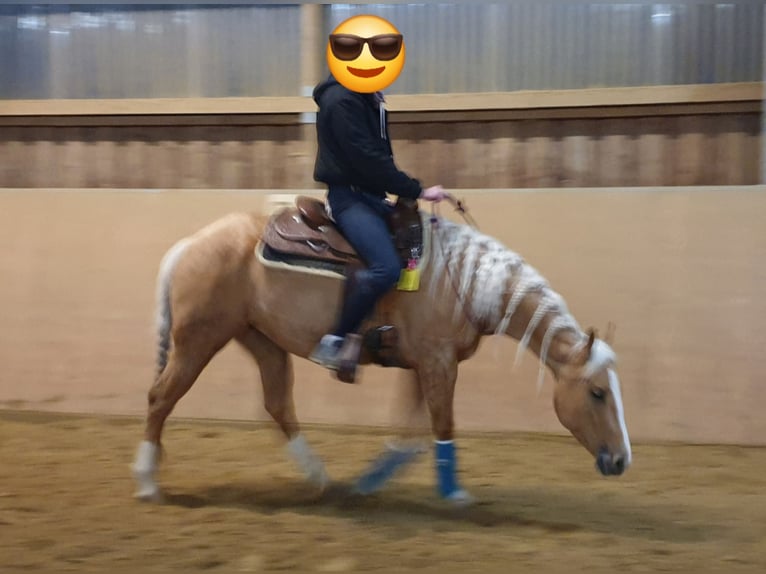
365	53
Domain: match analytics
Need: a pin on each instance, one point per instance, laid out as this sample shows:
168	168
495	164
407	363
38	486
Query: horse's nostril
619	464
603	462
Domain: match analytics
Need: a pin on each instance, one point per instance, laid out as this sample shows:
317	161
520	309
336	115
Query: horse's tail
164	317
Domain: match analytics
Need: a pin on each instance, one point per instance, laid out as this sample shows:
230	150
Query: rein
460	208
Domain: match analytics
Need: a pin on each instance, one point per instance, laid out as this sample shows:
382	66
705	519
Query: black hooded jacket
354	149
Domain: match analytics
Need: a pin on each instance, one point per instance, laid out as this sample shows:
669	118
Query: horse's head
588	403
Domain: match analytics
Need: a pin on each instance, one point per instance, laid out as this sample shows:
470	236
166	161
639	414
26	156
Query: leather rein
461	209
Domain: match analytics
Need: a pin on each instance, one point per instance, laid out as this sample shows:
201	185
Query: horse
216	285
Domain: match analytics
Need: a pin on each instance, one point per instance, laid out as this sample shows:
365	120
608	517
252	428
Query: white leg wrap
144	468
308	462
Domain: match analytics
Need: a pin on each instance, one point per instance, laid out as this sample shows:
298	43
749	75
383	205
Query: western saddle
305	234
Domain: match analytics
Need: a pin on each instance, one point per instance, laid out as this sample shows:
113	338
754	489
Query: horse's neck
553	339
538	318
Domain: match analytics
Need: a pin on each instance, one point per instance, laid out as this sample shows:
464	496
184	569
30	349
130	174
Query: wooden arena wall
679	270
648	136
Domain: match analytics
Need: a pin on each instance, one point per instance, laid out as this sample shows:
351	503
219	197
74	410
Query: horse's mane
486	274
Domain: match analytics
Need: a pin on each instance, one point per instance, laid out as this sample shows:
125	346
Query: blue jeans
362	220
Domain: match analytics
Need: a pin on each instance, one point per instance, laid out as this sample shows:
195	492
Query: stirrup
348	358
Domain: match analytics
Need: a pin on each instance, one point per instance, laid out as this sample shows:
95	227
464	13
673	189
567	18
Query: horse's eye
597	394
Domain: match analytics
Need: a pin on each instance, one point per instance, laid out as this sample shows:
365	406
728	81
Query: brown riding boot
348	358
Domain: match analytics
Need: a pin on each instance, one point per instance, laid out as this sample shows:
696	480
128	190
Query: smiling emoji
365	53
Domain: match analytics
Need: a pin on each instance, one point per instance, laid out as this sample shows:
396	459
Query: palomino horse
215	286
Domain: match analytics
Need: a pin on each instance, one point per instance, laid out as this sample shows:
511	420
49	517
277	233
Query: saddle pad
272	258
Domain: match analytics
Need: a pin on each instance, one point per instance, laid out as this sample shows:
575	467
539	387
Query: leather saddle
306	232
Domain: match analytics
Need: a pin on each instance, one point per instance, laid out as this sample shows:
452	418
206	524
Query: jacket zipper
382	112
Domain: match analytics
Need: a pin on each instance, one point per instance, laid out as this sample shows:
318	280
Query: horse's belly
294	308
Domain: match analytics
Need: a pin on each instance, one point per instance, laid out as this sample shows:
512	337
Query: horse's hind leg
188	358
277	379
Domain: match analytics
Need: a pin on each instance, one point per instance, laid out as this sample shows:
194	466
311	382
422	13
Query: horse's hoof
366	485
151	494
319	479
460	499
148	490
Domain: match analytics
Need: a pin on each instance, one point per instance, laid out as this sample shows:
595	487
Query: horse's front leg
410	417
437	378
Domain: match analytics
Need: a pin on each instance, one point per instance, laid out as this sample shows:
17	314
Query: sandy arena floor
235	504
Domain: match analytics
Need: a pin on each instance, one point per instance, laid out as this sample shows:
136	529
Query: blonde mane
484	273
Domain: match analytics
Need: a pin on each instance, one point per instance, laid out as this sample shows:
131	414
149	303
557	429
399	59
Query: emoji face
365	53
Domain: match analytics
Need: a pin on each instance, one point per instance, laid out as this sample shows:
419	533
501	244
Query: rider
355	160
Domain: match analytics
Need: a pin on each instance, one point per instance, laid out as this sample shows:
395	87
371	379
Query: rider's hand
434	193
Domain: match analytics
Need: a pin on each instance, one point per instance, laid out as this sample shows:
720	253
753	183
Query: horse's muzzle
608	464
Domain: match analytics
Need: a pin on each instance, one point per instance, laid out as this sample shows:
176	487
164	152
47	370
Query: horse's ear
610	329
582	354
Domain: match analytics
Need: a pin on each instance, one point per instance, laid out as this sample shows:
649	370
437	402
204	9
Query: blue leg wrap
382	469
446	468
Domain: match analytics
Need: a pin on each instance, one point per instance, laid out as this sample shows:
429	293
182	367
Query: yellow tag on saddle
409	278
